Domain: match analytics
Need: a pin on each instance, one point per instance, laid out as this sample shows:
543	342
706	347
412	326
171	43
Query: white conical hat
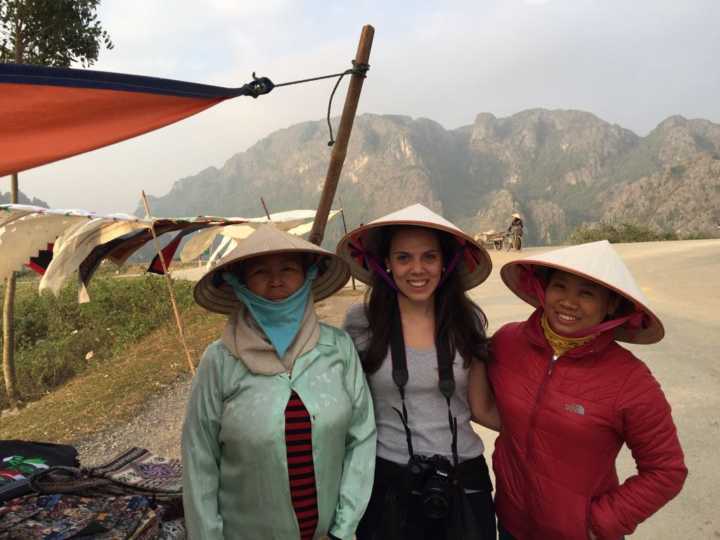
474	266
594	261
215	295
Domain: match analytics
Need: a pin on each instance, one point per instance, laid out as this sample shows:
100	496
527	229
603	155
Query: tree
51	32
55	33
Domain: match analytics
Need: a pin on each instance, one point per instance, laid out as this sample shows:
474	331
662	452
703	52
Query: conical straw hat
594	261
474	266
212	293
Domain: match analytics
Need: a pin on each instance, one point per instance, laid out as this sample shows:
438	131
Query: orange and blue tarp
48	114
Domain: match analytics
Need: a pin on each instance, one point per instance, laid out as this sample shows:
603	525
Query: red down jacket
563	424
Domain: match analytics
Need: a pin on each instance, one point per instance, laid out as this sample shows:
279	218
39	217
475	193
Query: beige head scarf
247	342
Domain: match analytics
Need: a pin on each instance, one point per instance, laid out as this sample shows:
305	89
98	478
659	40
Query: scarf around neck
561	344
247	342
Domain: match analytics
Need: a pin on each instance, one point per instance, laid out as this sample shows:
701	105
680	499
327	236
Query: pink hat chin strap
373	264
633	321
530	284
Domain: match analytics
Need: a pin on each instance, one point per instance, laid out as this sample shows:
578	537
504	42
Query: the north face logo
575	408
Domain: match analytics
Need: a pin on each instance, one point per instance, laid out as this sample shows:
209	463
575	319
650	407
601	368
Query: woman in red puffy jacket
569	397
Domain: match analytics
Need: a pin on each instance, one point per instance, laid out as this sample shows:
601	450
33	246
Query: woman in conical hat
570	396
422	343
279	435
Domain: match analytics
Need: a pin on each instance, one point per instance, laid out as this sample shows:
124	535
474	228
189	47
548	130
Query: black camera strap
400	372
446	382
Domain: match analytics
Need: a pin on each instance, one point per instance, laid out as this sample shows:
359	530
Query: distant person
423	346
279	435
515	232
569	397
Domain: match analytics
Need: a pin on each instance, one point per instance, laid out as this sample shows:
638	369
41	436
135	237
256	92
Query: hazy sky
630	62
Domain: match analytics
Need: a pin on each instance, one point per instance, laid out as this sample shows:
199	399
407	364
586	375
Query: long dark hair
460	324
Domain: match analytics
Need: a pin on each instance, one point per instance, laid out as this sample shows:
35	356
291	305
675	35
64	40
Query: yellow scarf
561	344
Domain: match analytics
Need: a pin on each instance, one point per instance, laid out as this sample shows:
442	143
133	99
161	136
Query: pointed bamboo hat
597	262
214	294
357	246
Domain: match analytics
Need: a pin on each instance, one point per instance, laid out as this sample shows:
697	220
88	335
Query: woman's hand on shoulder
483	408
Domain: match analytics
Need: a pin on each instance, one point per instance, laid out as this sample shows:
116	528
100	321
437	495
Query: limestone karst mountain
558	168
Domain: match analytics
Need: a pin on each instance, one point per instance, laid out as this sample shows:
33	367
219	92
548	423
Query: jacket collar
532	328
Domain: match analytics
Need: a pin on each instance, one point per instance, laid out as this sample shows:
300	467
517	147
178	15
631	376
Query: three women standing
422	342
279	435
279	440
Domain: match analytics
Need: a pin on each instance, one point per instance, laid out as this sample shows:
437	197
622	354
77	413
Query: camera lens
436	505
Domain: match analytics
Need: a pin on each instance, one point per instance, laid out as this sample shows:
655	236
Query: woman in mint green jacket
279	436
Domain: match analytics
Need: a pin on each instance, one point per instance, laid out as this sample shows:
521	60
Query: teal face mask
281	319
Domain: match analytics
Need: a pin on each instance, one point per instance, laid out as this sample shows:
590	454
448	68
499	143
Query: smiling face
274	277
574	304
415	262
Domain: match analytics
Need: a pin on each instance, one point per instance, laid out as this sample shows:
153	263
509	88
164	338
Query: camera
430	480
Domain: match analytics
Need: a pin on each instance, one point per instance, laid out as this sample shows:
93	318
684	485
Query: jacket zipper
538	399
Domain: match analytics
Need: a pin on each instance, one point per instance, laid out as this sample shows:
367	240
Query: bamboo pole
8	324
267	213
339	151
168	280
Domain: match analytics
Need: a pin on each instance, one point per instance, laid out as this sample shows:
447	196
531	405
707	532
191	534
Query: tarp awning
48	114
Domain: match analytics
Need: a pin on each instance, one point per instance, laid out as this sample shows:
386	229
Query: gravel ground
156	428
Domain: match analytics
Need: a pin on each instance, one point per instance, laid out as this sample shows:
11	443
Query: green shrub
678	170
54	335
617	233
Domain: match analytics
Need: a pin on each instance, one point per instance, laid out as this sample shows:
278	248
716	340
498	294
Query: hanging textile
56	243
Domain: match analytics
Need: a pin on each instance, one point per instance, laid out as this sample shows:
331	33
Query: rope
263	85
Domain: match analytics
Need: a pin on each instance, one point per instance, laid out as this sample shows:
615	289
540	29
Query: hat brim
652	333
474	267
334	274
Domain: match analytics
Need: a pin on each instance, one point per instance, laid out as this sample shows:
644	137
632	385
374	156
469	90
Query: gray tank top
426	406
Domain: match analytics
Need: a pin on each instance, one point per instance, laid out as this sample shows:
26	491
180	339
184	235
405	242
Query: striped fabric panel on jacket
298	439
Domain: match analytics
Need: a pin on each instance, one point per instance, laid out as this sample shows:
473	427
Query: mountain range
558	168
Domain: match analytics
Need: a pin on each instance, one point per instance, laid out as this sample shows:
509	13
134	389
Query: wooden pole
168	280
8	352
8	323
267	213
342	215
339	151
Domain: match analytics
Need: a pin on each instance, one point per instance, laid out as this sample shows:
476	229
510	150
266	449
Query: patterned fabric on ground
60	517
20	459
172	530
134	472
140	468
